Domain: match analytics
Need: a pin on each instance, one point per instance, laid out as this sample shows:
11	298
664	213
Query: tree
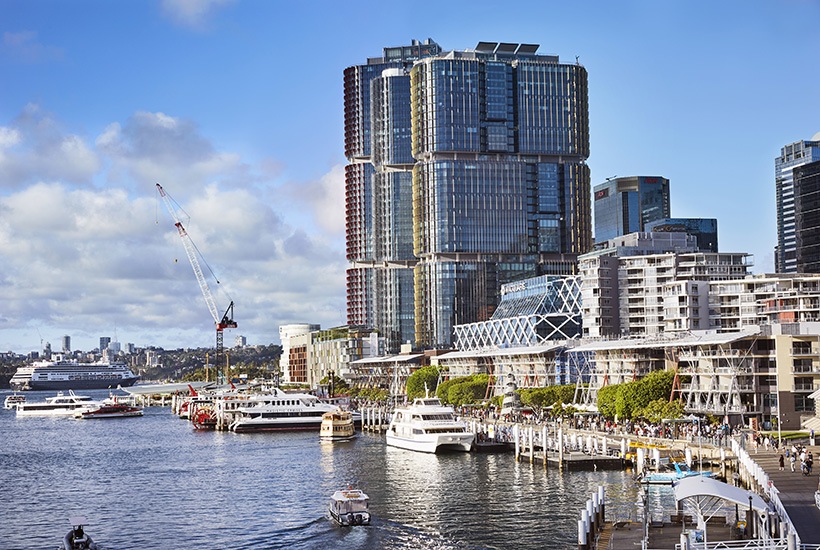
423	379
661	409
469	389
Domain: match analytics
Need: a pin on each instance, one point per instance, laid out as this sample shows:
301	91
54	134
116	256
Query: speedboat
350	507
77	539
428	426
337	426
109	410
13	400
672	472
60	405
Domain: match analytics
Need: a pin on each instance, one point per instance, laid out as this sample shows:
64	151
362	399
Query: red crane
226	321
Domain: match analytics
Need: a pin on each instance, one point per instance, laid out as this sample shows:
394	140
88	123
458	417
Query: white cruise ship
428	426
69	374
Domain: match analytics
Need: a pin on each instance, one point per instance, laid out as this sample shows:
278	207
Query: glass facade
478	179
703	229
791	157
626	205
807	217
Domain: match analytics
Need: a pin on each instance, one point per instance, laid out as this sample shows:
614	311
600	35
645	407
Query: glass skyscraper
495	188
807	217
626	205
791	157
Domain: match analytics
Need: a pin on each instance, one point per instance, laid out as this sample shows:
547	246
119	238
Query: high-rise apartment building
791	156
626	205
66	344
807	217
494	189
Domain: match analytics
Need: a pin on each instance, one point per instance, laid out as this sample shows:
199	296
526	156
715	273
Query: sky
236	108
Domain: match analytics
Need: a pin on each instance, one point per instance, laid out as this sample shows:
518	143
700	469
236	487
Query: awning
708	487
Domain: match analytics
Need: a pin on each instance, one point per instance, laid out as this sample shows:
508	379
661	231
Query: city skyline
235	108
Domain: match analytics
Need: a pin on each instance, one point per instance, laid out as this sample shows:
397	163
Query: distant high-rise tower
104	341
626	205
791	157
494	189
66	344
807	216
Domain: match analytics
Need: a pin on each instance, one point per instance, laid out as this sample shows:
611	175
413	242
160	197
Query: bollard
688	455
560	448
591	521
623	449
791	541
596	513
684	541
517	443
602	510
582	535
544	443
656	454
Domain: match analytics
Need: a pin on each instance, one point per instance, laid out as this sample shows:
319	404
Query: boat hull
61	385
462	442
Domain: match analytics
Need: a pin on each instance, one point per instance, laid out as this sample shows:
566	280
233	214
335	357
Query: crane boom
190	249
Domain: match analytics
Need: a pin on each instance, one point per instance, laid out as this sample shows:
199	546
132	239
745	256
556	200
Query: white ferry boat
279	410
69	374
13	400
428	426
337	426
60	405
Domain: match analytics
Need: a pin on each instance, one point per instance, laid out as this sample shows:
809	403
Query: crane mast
226	321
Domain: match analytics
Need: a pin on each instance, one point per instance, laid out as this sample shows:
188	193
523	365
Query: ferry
279	410
62	373
108	410
13	400
60	405
350	507
428	426
337	426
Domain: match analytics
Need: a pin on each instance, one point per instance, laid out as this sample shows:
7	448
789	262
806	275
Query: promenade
796	492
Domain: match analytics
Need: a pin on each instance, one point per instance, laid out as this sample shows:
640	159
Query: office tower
807	217
703	229
500	188
626	205
66	344
104	341
379	244
791	157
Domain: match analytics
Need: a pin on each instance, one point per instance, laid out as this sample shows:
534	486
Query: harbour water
155	482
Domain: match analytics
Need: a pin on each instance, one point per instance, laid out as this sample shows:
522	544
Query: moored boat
337	426
279	410
59	405
13	400
109	410
428	426
350	507
671	472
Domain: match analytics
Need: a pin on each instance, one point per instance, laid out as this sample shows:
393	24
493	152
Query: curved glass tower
467	171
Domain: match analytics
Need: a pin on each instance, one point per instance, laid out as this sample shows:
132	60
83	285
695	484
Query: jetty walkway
795	491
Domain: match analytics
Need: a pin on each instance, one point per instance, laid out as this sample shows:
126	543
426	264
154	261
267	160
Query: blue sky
236	107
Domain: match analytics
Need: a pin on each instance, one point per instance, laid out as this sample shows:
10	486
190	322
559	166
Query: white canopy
707	487
157	389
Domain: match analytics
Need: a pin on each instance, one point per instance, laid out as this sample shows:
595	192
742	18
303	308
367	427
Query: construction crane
226	321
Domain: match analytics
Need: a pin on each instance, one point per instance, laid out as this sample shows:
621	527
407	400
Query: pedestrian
781	463
792	460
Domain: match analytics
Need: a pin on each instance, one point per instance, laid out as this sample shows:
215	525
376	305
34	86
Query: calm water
154	482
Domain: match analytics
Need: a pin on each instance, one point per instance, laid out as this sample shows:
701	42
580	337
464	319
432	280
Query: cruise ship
68	374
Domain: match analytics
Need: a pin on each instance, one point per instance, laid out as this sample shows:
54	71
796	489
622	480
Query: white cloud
192	13
36	147
23	47
80	259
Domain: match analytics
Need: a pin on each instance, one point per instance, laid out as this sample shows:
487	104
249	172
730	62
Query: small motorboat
337	426
13	400
109	410
350	507
76	539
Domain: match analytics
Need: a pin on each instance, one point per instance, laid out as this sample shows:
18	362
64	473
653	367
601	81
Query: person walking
792	460
782	464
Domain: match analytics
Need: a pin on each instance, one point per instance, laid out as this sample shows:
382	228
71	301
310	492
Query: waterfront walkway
796	492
